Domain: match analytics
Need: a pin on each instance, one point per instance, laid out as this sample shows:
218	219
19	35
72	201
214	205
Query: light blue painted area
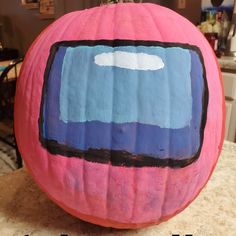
90	92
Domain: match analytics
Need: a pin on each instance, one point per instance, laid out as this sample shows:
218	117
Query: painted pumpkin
119	113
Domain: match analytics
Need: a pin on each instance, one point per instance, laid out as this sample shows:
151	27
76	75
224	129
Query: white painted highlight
129	60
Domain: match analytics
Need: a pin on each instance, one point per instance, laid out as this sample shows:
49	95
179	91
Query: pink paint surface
109	195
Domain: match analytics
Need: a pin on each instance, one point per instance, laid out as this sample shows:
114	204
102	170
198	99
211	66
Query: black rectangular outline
120	158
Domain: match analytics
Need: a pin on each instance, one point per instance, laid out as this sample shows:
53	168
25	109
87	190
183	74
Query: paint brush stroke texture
129	60
160	97
76	133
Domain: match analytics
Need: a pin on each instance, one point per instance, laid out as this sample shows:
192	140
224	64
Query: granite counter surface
25	210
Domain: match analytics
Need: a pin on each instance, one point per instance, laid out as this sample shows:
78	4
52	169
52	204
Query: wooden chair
8	78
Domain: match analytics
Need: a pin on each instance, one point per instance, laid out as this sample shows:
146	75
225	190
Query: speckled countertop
25	210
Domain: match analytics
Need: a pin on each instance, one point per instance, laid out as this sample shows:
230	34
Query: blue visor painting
131	103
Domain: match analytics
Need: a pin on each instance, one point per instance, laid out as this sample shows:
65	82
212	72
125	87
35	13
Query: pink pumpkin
119	113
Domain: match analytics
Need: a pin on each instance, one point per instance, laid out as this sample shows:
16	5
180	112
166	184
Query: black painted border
119	158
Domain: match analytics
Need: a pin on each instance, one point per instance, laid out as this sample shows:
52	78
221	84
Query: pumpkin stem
117	1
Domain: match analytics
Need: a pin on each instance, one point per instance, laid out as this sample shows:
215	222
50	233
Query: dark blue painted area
136	138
